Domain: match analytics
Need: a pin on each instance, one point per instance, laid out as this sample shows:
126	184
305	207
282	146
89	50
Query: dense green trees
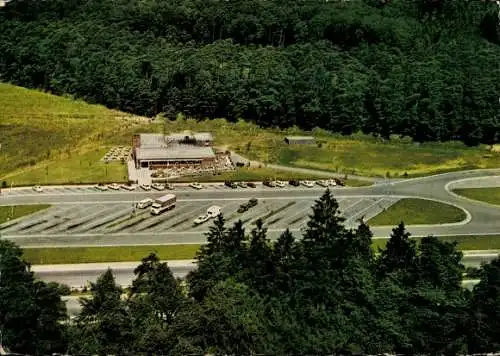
31	311
327	293
425	69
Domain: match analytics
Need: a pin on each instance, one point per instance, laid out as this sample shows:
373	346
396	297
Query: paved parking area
119	217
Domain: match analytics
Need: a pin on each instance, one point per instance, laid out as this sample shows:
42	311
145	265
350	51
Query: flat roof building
300	140
157	150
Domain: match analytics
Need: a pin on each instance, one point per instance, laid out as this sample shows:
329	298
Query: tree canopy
424	69
327	293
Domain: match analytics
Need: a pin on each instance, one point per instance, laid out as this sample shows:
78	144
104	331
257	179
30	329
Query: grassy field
488	195
48	139
418	211
465	243
256	174
186	252
107	254
13	212
357	154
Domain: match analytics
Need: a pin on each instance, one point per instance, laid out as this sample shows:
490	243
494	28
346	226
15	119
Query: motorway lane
78	275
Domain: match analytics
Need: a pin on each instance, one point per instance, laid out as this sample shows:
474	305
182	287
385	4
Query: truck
163	203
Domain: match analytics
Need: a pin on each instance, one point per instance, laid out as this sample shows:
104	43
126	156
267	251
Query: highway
78	275
87	207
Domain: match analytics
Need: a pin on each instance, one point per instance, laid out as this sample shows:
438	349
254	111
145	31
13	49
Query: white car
146	187
323	183
307	183
201	219
38	188
214	211
196	185
158	186
332	182
128	187
280	184
114	186
101	187
143	204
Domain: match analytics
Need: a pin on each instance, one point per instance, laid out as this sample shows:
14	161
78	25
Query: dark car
339	181
268	183
251	185
294	182
252	202
230	184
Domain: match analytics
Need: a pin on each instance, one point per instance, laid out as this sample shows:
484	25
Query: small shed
300	140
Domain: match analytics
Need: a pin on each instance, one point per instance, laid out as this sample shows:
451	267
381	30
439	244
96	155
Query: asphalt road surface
78	275
83	216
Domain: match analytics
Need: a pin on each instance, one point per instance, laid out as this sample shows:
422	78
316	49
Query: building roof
199	136
152	140
174	152
299	138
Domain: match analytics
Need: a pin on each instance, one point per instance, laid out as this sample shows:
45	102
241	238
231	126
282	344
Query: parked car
331	182
196	185
339	181
128	187
158	186
244	207
307	183
169	186
38	188
280	184
143	204
201	219
230	184
242	184
145	187
114	186
214	211
269	183
251	185
101	187
323	183
294	182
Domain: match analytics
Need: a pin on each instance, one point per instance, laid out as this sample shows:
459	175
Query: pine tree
484	328
104	325
399	254
31	311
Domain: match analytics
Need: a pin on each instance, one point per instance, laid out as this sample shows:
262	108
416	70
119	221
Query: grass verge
418	211
258	174
8	213
68	255
488	195
465	243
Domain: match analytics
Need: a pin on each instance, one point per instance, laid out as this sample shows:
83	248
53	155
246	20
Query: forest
425	69
327	293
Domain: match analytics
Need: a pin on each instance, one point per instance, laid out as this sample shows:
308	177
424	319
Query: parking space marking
293	217
99	224
83	219
157	220
178	223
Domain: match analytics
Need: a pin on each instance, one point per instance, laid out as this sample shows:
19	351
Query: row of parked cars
306	183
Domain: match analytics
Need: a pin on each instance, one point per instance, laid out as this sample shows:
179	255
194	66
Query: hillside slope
40	133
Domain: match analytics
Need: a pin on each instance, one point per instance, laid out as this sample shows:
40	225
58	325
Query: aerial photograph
249	177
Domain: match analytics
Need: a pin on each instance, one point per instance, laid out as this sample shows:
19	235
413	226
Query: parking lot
116	217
